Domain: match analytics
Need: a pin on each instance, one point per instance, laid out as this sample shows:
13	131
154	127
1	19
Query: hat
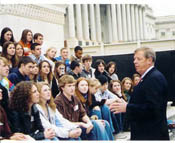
102	79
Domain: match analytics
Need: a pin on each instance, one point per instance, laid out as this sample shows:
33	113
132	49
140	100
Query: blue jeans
105	114
99	132
117	122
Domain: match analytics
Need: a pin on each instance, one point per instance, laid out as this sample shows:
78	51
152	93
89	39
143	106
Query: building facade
112	26
165	27
92	24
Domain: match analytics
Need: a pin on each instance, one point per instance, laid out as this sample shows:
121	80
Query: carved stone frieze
42	13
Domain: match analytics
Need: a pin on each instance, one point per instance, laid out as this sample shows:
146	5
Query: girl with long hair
45	72
26	41
82	92
6	35
51	118
111	69
25	117
59	70
8	52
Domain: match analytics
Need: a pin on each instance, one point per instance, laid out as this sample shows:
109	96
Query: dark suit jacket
147	108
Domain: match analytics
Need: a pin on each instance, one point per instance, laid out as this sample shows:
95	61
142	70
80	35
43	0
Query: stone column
124	23
129	22
119	19
109	19
79	22
71	21
144	24
141	22
114	23
92	23
133	23
86	23
98	24
137	23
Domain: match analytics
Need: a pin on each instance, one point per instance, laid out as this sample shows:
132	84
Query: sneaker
120	136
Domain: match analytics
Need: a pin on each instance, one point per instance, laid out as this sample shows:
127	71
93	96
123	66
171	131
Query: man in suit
147	107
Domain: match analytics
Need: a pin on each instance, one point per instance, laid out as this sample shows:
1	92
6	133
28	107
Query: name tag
75	107
1	124
32	119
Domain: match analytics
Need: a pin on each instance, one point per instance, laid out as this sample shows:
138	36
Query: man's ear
150	61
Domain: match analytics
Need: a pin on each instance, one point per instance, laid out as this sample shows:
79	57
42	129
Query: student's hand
75	133
17	136
49	133
90	127
102	121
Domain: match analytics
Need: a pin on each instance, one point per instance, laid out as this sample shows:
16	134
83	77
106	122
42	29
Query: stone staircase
170	116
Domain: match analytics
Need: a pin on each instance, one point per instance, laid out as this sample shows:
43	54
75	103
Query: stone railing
128	47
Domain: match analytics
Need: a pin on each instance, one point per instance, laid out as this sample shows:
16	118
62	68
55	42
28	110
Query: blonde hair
51	103
4	60
94	82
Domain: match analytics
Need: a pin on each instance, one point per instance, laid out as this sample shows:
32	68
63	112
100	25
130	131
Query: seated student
36	53
127	88
19	52
26	117
38	38
82	92
26	41
51	118
33	76
45	72
100	69
135	79
111	69
78	51
76	70
115	87
6	35
8	52
98	108
4	66
88	71
50	56
21	73
5	131
60	70
104	93
64	58
71	108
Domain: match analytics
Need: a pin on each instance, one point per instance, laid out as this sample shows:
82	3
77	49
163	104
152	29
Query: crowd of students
44	97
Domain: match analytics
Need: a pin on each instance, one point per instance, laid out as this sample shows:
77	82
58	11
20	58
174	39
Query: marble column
98	24
109	19
124	23
79	22
144	24
92	23
119	20
114	23
141	22
133	23
129	22
85	22
137	23
71	22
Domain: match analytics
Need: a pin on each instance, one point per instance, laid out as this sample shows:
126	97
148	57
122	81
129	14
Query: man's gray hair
148	53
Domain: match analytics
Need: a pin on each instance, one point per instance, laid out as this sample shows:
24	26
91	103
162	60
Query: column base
71	43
